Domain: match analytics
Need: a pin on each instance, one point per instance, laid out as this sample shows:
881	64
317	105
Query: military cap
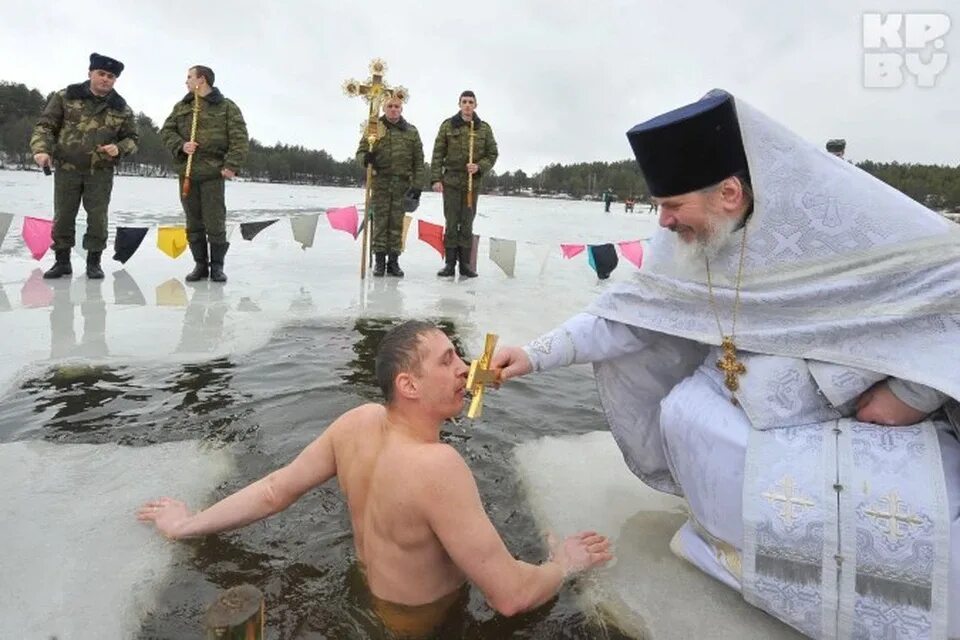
105	63
836	144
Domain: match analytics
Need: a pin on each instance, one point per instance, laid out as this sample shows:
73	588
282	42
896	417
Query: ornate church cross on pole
375	91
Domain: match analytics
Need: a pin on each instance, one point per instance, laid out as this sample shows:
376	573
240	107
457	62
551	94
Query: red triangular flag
432	234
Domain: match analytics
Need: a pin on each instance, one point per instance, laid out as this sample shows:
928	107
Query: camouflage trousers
206	210
386	203
458	216
93	189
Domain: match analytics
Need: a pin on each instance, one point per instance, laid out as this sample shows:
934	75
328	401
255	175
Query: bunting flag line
345	219
570	250
545	252
126	241
304	229
603	259
432	234
172	240
37	235
503	253
249	230
632	251
5	220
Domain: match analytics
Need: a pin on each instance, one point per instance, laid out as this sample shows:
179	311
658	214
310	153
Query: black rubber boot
393	266
379	264
451	267
465	270
200	255
94	272
217	253
61	267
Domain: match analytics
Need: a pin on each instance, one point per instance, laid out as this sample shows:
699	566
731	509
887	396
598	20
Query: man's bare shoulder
443	468
370	414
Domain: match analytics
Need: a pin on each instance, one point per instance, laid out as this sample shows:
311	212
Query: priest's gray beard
689	258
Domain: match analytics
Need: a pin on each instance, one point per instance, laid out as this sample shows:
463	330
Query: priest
785	361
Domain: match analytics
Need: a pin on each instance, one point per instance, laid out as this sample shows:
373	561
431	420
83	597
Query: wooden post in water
237	614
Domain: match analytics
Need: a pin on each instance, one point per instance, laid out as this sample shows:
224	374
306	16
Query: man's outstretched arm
271	494
511	586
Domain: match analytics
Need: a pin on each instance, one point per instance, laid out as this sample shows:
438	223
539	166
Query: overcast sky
558	81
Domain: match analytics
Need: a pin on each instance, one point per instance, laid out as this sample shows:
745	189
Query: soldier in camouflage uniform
397	159
449	171
82	132
219	152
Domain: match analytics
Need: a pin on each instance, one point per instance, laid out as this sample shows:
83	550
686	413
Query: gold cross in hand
481	375
729	364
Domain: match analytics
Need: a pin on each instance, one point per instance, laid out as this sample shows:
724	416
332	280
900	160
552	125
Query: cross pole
375	91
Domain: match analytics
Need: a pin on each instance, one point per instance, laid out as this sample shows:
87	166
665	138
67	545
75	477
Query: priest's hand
512	362
880	405
167	514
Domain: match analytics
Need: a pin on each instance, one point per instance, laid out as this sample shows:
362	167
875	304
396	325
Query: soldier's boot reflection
94	312
63	340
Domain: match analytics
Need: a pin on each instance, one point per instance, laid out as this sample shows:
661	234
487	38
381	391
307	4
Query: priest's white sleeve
582	339
918	396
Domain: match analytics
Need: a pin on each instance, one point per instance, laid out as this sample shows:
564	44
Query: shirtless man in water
419	527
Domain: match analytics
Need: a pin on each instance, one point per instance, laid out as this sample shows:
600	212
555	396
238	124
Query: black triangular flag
250	229
603	259
126	242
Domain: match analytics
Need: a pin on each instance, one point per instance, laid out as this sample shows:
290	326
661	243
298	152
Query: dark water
270	403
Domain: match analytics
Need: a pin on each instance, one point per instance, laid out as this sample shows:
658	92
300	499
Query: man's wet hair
204	72
399	352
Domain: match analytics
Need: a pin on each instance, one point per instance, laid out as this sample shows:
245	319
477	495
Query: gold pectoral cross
731	367
481	375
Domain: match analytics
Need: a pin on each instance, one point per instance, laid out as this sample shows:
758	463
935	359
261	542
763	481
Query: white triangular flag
504	254
304	229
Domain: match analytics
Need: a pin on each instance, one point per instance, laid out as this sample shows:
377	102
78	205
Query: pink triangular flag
37	235
344	219
570	250
632	251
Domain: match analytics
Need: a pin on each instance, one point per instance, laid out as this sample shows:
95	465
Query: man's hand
472	168
580	552
228	174
437	186
42	159
111	150
167	514
189	147
512	362
879	405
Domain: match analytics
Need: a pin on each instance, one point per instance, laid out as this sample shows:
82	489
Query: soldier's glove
411	199
368	158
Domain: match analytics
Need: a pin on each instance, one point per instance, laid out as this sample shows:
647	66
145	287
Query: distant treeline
933	185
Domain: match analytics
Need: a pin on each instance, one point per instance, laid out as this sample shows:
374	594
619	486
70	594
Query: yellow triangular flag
403	234
172	240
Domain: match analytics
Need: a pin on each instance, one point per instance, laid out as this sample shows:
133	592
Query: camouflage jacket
221	135
75	122
398	151
451	150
